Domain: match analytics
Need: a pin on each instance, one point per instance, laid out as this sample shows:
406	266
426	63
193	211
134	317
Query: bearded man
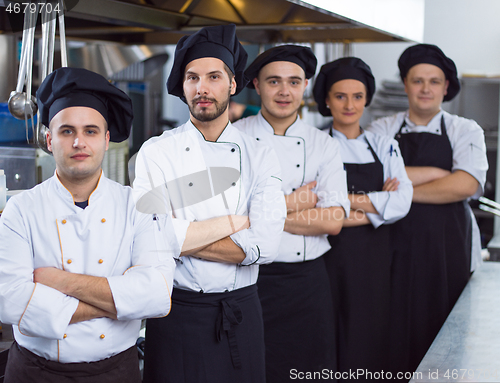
212	174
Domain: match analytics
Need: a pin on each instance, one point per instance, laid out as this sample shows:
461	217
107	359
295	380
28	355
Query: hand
51	277
302	198
390	184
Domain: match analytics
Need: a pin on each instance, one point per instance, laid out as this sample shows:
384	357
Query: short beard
203	115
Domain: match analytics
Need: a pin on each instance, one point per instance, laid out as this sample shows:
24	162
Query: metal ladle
22	105
47	60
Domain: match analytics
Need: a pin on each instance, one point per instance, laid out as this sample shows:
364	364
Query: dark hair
228	71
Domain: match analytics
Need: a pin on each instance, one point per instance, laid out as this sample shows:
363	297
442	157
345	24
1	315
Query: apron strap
443	127
375	157
229	317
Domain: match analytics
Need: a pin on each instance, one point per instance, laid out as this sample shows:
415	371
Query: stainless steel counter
467	348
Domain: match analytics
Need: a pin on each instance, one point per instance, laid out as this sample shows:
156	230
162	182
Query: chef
437	243
359	262
210	169
79	265
294	289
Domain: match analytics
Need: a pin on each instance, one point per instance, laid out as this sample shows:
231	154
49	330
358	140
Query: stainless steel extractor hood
109	59
257	21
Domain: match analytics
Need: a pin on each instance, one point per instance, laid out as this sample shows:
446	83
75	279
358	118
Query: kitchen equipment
19	164
47	59
3	190
12	129
489	205
22	105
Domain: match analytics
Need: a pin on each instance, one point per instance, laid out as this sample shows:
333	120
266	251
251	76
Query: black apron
25	367
432	257
207	338
359	264
297	310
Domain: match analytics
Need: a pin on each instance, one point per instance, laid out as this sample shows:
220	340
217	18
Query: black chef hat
342	69
430	54
68	87
302	56
218	41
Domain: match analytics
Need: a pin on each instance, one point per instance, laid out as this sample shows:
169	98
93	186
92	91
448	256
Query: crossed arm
361	205
94	293
240	239
210	240
438	186
304	218
431	185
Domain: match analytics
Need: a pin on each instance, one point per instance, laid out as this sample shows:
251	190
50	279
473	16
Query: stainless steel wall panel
19	164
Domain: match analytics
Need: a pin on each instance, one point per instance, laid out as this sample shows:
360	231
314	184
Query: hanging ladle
47	58
22	105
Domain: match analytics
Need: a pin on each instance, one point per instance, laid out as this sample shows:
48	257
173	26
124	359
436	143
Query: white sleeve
332	180
387	126
144	290
394	205
37	310
150	190
267	213
469	151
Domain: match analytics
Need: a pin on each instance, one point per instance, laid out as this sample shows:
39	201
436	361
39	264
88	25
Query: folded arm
423	174
203	237
356	218
379	207
36	309
224	250
302	198
315	221
362	203
454	187
266	211
86	312
304	218
327	215
94	291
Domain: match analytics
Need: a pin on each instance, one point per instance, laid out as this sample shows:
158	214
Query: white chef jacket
42	227
306	154
469	152
204	179
391	206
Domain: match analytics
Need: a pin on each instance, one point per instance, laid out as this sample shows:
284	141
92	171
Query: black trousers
431	267
25	367
359	266
298	319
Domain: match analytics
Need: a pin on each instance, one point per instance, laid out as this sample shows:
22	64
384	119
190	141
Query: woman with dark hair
359	262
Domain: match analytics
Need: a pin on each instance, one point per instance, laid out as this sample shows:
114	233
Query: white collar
435	120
